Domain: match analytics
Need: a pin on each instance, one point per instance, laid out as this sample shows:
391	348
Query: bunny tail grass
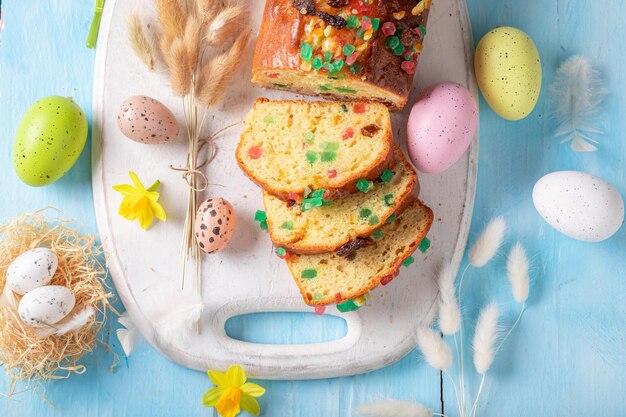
517	268
577	94
449	311
435	350
488	243
485	338
393	408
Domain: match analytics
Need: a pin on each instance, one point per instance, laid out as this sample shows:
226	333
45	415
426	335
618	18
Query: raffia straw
172	17
139	41
226	25
217	73
25	356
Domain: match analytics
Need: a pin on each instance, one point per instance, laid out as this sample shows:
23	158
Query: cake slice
329	278
333	227
292	147
348	50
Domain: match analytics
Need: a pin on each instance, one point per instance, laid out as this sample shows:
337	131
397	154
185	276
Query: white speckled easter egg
46	305
215	224
508	72
579	205
146	120
442	124
32	269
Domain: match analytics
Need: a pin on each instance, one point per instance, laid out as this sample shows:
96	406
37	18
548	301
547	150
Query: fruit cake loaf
336	226
292	147
347	49
329	278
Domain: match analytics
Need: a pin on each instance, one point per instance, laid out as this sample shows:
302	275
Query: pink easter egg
215	224
441	126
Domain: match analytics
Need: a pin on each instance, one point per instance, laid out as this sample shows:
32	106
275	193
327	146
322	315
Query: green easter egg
49	140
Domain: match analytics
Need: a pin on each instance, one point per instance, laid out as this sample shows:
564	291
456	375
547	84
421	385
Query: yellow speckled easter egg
508	72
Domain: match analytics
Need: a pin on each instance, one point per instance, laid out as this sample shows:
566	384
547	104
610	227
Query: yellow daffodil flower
232	393
140	202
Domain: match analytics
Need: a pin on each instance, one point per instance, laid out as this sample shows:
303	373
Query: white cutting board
248	277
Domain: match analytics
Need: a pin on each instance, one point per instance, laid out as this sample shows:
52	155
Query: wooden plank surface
568	357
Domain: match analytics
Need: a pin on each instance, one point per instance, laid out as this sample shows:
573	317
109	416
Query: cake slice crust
328	278
328	228
292	147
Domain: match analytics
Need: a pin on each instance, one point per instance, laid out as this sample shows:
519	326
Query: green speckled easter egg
49	140
508	72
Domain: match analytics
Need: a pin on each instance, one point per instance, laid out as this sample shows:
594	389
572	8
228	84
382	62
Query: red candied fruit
319	310
255	152
359	108
332	173
349	132
351	59
294	196
338	298
366	24
409	67
386	280
389	28
272	75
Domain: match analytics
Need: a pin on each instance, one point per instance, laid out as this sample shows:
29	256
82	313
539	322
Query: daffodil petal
146	217
219	379
250	405
212	396
236	376
158	210
126	210
124	189
153	195
136	181
253	390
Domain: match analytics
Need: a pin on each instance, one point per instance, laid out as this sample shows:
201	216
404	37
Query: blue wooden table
568	357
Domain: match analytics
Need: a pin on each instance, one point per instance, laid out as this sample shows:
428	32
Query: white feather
127	335
449	312
393	408
517	268
485	337
488	243
435	350
577	94
8	298
68	324
176	326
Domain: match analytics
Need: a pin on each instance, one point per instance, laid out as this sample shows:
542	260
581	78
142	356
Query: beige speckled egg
508	72
46	305
146	120
215	224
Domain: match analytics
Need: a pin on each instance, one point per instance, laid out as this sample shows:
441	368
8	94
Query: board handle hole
286	328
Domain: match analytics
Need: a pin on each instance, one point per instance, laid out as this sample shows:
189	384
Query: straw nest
25	355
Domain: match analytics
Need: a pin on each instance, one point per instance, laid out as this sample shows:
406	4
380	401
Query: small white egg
579	205
32	269
46	305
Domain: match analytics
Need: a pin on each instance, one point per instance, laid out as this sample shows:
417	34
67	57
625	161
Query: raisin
338	3
337	22
304	6
350	248
369	130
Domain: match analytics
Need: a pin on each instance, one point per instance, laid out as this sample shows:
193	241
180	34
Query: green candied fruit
269	119
287	225
352	22
326	87
360	33
281	251
317	63
328	156
346	90
391	218
327	56
364	213
260	216
374	220
387	176
280	85
423	29
356	68
408	261
309	137
317	296
378	233
388	200
311	157
344	108
375	23
336	76
364	185
337	66
393	42
309	273
398	50
424	245
330	146
317	194
306	51
348	49
347	306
